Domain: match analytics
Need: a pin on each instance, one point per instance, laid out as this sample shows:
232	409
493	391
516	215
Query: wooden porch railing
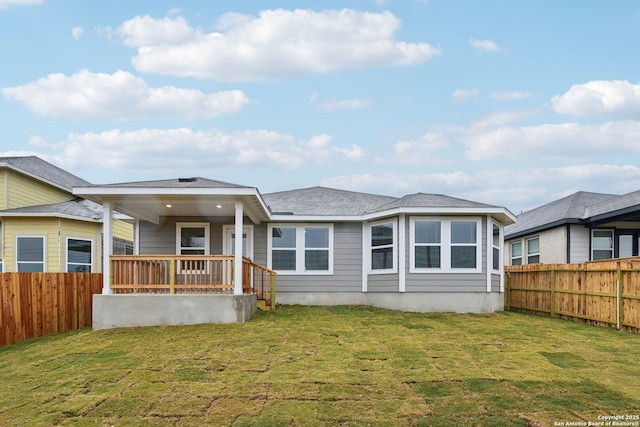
189	274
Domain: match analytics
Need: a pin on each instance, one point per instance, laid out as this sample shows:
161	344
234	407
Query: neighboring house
581	227
44	227
421	252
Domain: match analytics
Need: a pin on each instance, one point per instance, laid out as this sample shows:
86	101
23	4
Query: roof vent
187	179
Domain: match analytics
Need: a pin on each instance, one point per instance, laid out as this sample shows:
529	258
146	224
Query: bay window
383	246
445	245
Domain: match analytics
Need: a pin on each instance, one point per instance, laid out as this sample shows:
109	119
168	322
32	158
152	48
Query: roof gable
423	200
572	208
44	171
323	201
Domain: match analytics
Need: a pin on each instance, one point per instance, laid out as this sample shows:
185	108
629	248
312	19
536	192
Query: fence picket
606	293
38	304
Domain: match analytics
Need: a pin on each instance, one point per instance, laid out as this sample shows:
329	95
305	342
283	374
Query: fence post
553	293
619	303
273	291
172	276
508	290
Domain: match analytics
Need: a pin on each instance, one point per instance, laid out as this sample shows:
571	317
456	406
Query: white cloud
168	150
276	44
6	4
509	96
506	187
424	150
553	141
148	31
76	32
119	96
485	45
464	95
600	98
502	118
332	104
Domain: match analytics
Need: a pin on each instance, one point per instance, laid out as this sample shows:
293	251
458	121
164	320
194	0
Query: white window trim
492	246
44	252
445	244
394	246
300	249
67	253
207	235
525	251
511	257
613	243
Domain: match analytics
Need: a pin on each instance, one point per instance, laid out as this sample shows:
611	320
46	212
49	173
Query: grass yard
309	366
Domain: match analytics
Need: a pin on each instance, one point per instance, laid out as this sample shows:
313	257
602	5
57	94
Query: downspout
59	246
568	255
402	251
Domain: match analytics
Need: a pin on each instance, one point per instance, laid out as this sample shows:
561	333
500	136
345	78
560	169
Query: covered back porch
167	281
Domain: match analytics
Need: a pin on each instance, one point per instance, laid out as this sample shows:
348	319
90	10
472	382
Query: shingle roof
78	208
324	201
573	208
422	200
193	182
35	166
618	203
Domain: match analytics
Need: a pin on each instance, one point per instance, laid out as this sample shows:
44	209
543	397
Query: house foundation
461	302
119	311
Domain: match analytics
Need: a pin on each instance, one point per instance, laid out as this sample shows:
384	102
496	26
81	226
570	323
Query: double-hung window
516	253
533	250
601	244
30	254
445	245
79	255
301	248
383	247
495	246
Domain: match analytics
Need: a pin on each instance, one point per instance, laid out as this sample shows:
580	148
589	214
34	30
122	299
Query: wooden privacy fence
606	293
38	304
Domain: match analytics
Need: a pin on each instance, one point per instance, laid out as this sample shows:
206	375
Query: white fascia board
315	218
440	211
153	191
394	212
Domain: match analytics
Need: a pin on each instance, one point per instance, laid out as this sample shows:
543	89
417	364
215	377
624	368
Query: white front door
229	236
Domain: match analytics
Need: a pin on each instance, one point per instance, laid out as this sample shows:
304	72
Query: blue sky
501	102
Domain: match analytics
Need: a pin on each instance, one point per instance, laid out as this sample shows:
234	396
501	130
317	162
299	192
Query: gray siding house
421	252
581	227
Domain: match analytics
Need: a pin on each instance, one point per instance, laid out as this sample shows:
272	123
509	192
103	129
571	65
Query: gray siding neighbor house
581	227
421	252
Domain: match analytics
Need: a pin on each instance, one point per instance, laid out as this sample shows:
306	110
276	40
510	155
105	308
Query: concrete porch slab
120	311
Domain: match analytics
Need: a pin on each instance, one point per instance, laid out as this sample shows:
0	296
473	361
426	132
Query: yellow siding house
44	227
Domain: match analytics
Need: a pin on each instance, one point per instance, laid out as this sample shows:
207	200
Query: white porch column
107	245
237	290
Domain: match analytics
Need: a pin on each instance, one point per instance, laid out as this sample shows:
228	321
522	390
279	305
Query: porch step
263	305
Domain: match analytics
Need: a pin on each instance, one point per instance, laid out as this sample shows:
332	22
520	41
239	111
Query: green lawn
326	366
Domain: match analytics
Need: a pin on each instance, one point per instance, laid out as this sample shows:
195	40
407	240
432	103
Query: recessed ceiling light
219	206
169	206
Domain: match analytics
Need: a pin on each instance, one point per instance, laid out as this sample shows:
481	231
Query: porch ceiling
151	207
